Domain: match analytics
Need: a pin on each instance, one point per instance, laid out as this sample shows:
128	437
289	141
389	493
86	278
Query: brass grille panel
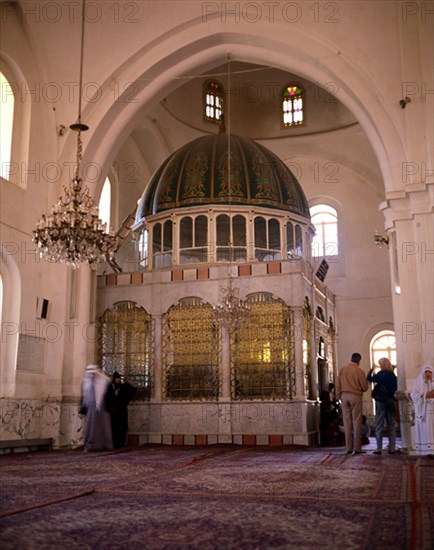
126	344
191	352
331	333
263	352
308	387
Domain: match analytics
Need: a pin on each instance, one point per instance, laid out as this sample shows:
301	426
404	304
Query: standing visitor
97	435
351	384
384	403
423	399
119	395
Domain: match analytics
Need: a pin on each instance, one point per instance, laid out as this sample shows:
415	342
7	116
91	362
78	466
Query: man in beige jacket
350	386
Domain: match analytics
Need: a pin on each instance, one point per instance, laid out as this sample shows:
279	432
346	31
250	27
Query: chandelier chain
73	232
231	311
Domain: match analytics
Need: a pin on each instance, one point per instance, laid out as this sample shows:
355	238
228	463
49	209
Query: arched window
143	248
193	240
191	352
213	101
383	344
292	106
105	203
231	238
267	239
162	243
320	314
325	220
7	102
126	344
294	240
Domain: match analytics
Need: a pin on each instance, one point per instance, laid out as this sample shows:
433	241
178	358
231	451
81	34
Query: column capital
407	203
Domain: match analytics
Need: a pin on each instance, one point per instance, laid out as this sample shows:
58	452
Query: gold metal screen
262	352
191	352
126	344
307	352
331	333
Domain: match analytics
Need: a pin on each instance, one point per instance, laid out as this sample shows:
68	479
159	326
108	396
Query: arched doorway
383	344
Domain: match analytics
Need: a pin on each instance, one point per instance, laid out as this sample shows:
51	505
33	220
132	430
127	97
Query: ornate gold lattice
191	352
331	358
126	344
262	352
307	352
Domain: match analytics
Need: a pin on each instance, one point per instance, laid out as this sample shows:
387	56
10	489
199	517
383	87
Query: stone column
80	349
298	353
410	228
225	366
225	406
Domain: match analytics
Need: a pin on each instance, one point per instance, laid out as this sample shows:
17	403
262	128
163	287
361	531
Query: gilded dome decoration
229	177
197	174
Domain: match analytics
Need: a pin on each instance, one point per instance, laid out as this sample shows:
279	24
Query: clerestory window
325	242
213	101
292	106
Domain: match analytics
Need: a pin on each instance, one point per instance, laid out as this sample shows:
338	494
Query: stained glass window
292	106
213	101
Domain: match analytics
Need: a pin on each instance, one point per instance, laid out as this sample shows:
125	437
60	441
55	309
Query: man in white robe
97	435
423	399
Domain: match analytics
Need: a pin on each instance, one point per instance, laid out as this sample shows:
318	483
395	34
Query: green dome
197	174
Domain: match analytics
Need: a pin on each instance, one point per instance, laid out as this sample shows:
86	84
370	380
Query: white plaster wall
375	51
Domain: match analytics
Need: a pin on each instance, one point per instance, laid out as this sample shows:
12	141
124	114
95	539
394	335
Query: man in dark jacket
119	394
385	405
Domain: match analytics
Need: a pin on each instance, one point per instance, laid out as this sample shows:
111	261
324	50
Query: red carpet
216	497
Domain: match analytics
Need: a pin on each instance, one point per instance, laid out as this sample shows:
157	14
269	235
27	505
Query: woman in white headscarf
423	399
97	435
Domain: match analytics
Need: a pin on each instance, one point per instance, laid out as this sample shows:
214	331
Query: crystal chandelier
231	311
73	232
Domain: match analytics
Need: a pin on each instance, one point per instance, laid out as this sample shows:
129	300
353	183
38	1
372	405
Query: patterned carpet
216	498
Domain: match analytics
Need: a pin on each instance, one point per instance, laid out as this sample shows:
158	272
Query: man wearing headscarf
97	435
119	394
423	399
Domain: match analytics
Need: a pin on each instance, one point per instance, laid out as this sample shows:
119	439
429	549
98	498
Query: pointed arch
166	60
10	320
12	84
